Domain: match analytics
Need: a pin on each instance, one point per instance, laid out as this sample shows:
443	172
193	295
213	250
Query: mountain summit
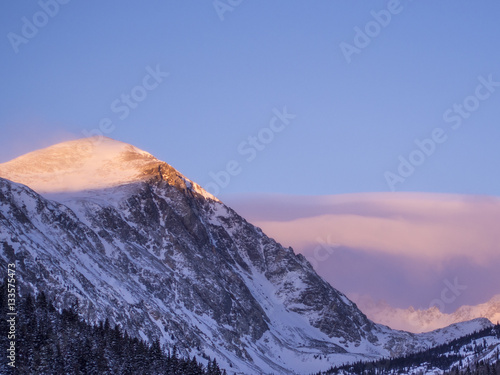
87	164
148	249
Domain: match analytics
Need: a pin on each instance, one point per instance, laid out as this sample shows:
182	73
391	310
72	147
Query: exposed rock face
164	259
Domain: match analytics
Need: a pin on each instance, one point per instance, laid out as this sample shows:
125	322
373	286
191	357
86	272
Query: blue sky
350	116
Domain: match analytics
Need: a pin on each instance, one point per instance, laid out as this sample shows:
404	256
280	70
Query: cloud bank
409	249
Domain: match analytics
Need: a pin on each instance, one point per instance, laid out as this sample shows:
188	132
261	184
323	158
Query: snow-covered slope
476	353
414	320
134	241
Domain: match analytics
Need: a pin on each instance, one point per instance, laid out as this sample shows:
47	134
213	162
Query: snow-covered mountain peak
89	163
82	164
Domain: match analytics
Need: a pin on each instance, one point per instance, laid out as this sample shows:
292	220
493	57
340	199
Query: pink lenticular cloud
425	226
404	248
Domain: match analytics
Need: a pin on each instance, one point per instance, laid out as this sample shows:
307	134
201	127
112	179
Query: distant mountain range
100	224
415	320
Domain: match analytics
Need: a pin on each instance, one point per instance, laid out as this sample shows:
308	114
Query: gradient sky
228	76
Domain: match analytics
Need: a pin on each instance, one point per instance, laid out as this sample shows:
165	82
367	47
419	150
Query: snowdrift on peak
87	164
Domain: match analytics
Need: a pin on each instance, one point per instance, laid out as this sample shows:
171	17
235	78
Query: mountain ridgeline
475	353
104	225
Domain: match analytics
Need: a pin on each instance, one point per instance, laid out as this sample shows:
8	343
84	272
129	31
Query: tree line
442	357
52	341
